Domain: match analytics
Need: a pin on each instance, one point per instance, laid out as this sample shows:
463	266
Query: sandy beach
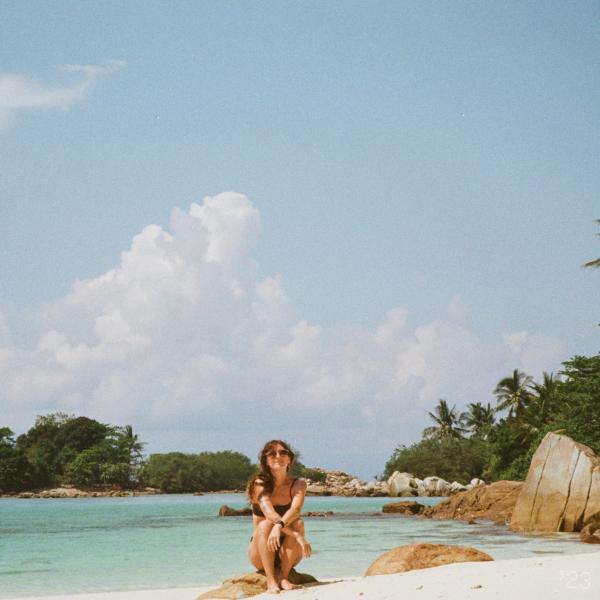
575	576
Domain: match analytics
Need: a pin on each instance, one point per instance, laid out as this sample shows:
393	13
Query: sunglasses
274	453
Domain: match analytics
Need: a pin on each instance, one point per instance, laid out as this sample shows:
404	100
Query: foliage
453	459
13	463
312	474
513	393
176	472
569	403
62	448
448	422
479	419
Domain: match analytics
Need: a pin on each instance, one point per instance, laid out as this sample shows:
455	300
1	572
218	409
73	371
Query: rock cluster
338	483
562	489
406	485
494	502
73	492
423	556
250	584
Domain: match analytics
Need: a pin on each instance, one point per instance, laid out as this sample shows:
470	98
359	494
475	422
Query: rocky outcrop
562	489
250	584
318	513
494	502
73	492
408	507
423	556
338	483
406	485
227	511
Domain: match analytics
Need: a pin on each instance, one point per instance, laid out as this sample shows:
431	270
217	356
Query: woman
277	543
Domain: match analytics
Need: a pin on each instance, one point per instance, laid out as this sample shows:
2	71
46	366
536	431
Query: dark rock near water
227	511
408	507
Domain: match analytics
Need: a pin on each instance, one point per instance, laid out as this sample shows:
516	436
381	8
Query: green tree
479	419
579	398
13	463
513	393
448	422
453	459
97	465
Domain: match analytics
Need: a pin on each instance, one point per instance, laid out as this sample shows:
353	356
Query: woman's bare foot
288	585
273	587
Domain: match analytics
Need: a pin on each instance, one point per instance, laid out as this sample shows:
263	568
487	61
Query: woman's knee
264	527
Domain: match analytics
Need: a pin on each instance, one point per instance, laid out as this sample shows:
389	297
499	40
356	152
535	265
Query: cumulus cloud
19	93
183	340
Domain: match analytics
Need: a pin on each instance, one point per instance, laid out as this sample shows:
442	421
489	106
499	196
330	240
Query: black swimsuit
280	509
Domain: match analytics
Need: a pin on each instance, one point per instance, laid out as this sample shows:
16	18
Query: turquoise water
105	544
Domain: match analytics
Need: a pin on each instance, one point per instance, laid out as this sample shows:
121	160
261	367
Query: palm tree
131	444
545	396
594	263
448	422
513	393
479	419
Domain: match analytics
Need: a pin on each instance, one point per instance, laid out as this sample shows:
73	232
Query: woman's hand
273	542
306	548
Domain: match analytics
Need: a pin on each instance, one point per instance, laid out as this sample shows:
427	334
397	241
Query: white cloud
182	339
19	93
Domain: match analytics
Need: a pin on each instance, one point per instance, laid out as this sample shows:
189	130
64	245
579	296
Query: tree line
64	449
497	441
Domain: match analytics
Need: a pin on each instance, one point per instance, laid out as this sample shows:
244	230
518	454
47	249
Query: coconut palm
513	393
479	419
545	396
448	422
594	263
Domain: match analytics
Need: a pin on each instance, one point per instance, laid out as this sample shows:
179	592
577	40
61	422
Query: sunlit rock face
562	489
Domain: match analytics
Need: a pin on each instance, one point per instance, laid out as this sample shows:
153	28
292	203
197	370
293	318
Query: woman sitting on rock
277	543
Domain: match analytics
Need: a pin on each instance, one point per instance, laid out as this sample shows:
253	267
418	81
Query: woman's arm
298	494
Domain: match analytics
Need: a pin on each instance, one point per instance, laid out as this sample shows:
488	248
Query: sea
83	545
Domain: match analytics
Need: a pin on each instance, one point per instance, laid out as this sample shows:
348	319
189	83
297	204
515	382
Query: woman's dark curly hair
264	477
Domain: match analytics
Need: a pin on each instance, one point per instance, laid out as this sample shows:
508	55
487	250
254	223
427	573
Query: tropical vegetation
497	442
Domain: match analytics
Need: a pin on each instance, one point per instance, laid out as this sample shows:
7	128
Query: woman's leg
291	555
260	555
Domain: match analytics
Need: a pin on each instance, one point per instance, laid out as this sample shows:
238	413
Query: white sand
572	577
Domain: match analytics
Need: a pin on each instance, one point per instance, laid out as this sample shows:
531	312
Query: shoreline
573	576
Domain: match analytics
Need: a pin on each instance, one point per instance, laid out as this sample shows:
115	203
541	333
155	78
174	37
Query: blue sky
436	159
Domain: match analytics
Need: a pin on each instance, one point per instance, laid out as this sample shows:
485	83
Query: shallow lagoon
105	544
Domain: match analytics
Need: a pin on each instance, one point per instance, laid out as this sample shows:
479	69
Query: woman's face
278	458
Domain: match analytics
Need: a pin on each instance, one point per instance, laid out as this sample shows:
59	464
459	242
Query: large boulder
562	489
407	507
456	487
250	584
423	556
494	502
436	486
401	484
